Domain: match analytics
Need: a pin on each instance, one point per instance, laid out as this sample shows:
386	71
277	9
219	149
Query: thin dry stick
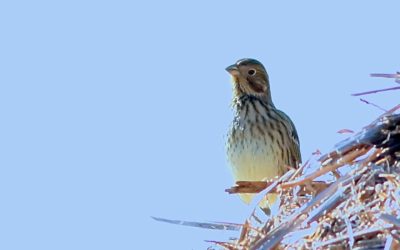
374	91
330	167
395	76
244	232
299	170
249	187
373	104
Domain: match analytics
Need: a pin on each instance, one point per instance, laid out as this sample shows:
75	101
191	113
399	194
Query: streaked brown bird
262	141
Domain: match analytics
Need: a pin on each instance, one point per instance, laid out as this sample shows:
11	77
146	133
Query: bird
262	141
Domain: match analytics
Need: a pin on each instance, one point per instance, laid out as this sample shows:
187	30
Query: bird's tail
264	204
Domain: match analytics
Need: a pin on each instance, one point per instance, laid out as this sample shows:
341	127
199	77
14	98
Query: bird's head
249	77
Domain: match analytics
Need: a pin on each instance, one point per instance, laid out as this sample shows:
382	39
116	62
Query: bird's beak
233	70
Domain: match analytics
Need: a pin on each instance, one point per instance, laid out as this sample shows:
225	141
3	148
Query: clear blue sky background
113	111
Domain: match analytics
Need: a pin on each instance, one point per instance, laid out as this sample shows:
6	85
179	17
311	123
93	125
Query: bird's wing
294	146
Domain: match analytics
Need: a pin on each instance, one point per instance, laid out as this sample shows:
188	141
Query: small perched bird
262	141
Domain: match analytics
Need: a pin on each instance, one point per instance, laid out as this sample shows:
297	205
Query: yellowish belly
253	160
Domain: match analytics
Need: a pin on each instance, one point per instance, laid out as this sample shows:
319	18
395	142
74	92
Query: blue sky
115	111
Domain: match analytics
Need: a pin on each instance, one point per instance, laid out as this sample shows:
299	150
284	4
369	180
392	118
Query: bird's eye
251	72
